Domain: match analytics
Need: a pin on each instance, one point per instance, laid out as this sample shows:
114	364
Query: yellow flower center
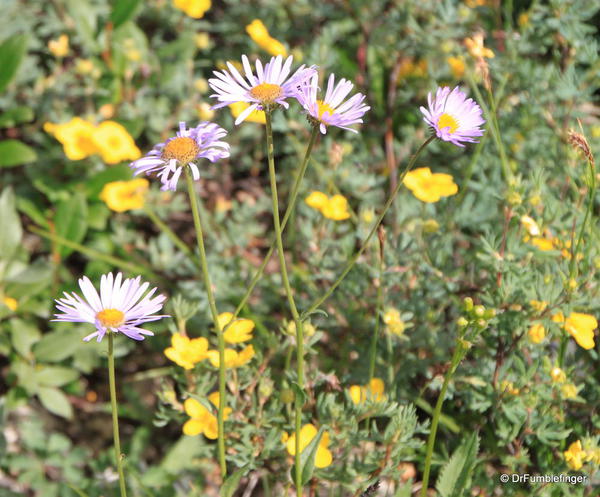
183	149
324	107
266	92
447	121
111	318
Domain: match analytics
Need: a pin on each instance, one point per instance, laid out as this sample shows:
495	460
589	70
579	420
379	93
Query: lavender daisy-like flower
270	86
189	145
118	308
454	117
332	110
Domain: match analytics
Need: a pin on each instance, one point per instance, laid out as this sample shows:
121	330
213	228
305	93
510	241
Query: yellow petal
355	393
211	427
323	457
194	409
179	341
316	200
193	427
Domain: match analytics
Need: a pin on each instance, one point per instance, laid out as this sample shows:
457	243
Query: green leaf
71	221
14	153
122	11
55	401
457	471
232	482
307	457
12	51
181	455
24	335
10	225
55	376
56	346
16	115
299	393
94	185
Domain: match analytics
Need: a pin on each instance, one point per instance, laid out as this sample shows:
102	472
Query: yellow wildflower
121	196
193	8
569	391
75	137
538	305
107	111
256	116
542	243
336	208
60	46
558	375
581	327
457	66
323	457
205	113
239	331
114	143
429	187
233	358
523	19
475	3
537	333
475	47
186	352
411	68
84	66
368	215
530	225
374	391
202	40
575	456
260	35
10	303
393	321
509	387
201	419
317	200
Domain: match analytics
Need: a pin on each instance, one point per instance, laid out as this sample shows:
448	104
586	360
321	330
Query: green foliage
467	266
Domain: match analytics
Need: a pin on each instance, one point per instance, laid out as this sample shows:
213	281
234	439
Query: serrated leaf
55	401
71	221
122	11
232	482
456	472
12	51
10	225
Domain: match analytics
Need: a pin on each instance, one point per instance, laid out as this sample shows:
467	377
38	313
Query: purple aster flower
118	308
169	158
332	110
268	87
454	117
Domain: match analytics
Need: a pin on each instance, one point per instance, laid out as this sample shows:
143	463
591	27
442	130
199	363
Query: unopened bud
468	303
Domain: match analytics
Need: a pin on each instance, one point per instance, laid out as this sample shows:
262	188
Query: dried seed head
578	142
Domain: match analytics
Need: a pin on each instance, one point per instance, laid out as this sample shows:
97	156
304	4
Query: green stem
171	234
456	358
286	216
115	415
315	305
194	202
373	351
290	298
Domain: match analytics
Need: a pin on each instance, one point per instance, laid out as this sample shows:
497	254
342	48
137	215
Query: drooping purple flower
271	84
118	308
332	110
454	117
184	149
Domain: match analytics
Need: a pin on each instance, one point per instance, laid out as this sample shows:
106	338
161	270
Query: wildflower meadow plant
121	306
429	323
